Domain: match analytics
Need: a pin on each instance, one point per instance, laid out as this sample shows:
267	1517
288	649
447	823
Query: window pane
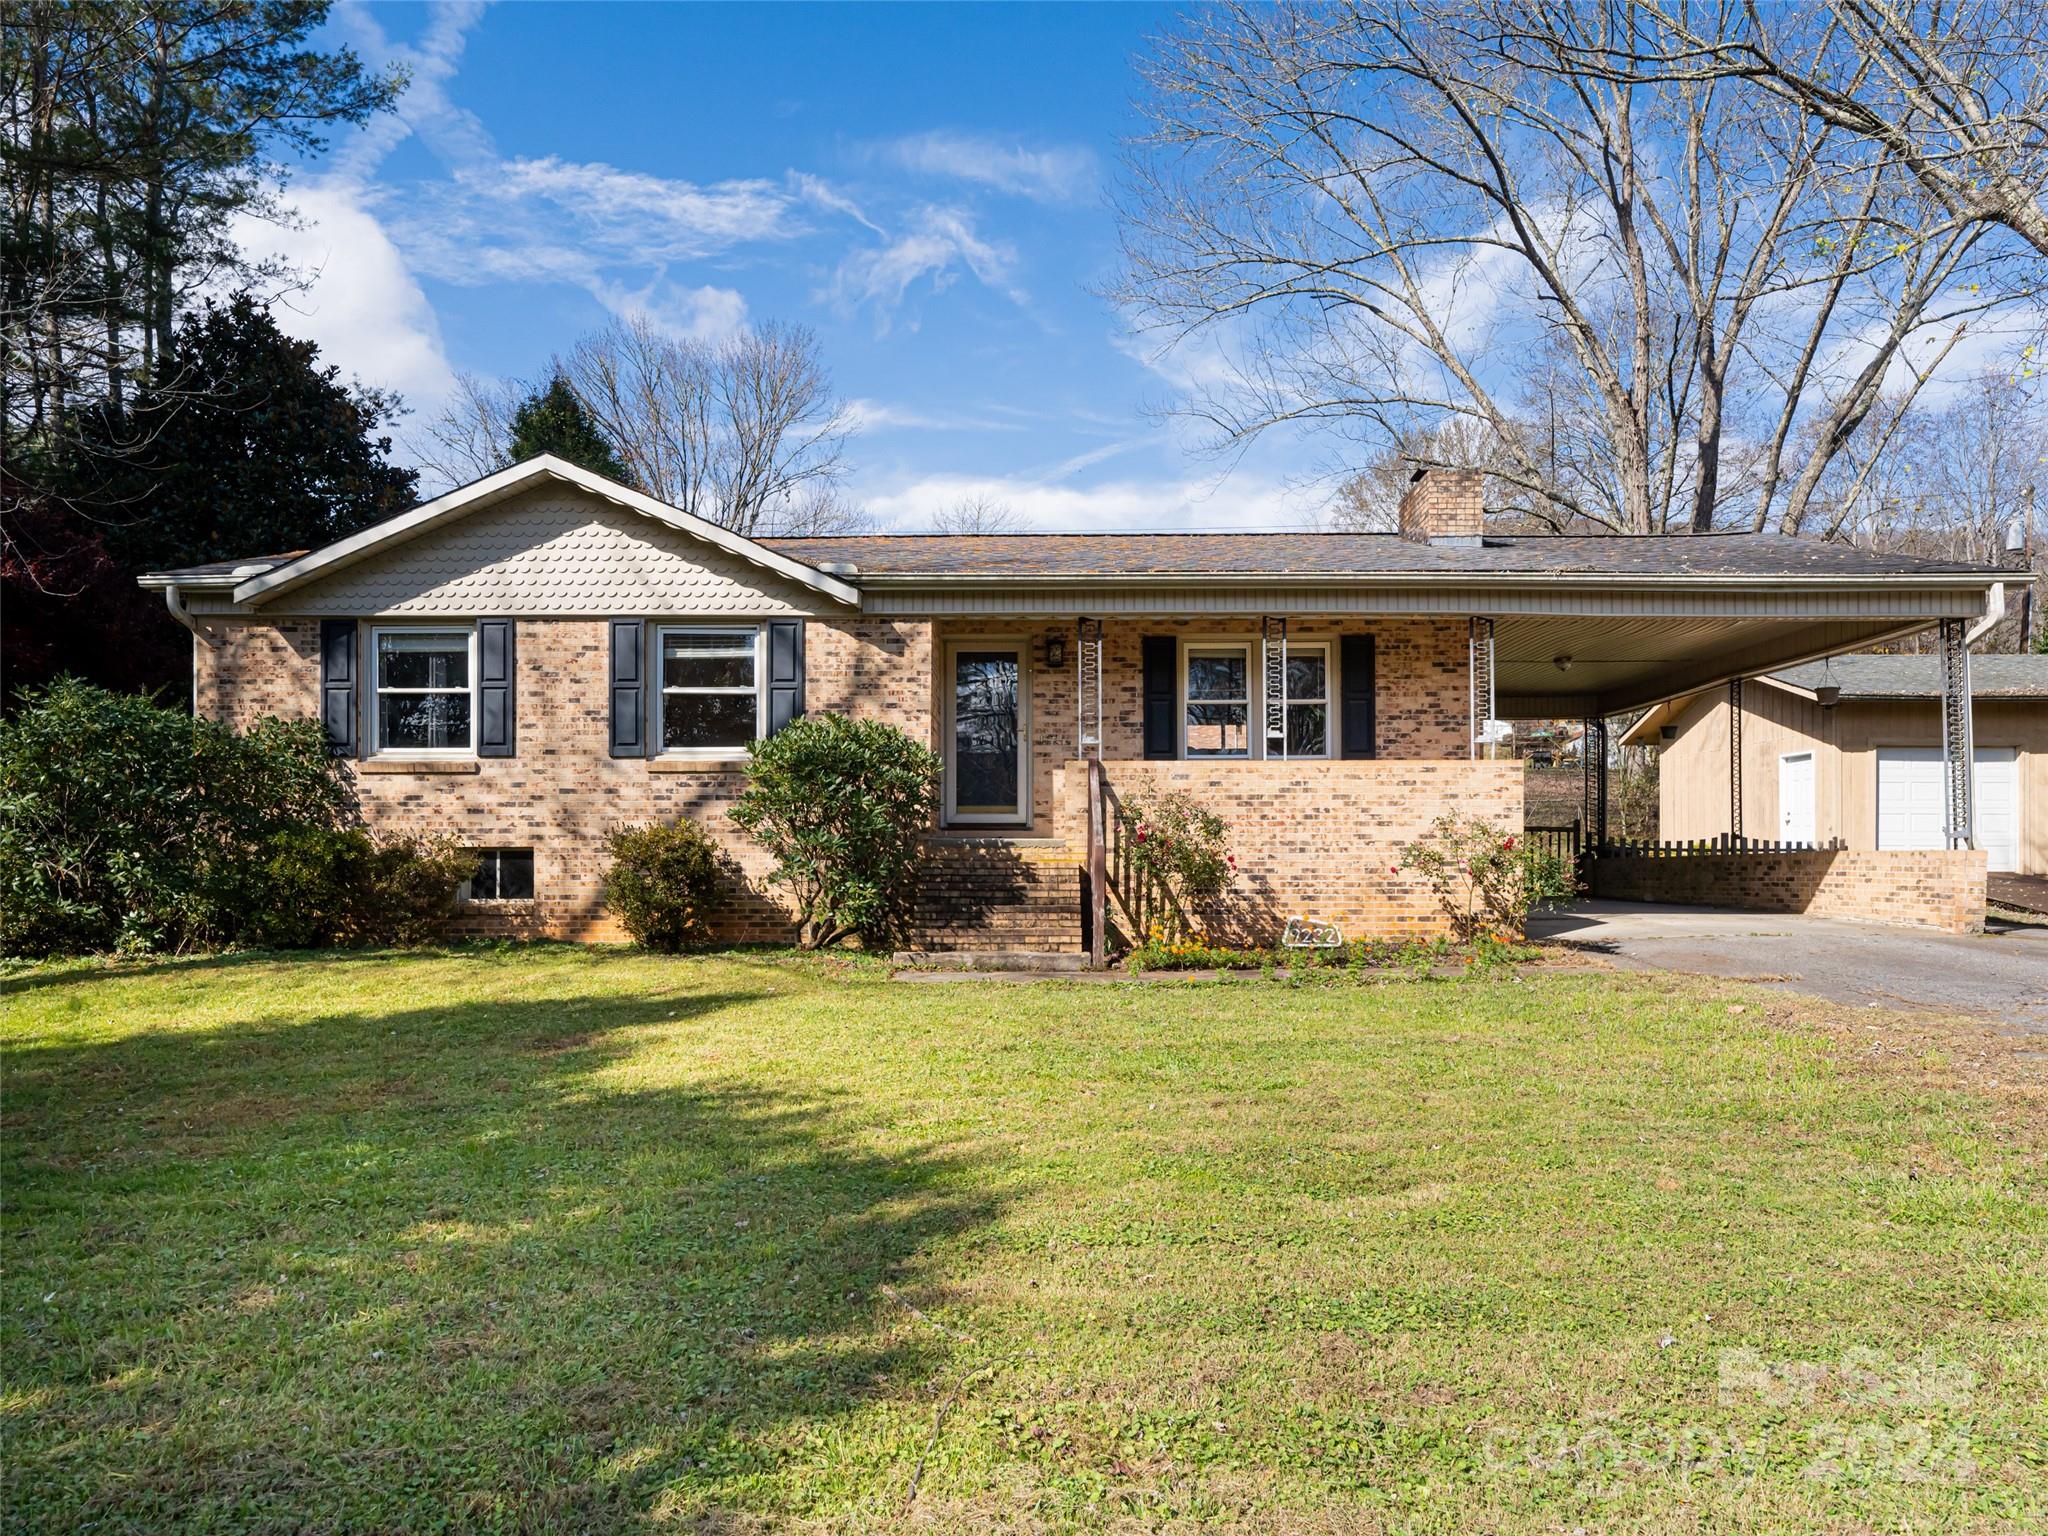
1216	677
502	874
423	721
1305	676
1216	730
707	671
1308	730
707	719
986	724
422	659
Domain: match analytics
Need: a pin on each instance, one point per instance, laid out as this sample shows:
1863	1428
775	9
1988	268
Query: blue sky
924	186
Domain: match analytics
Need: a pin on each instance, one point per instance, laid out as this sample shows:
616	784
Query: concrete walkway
2002	974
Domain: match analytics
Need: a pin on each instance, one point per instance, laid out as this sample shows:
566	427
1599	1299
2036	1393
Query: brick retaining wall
1317	839
1936	888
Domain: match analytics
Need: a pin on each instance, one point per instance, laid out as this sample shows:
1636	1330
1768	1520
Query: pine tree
553	420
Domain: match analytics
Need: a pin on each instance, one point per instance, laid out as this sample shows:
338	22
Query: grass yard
561	1239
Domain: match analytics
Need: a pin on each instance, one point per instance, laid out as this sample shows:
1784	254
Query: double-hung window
1217	713
424	683
710	689
1308	701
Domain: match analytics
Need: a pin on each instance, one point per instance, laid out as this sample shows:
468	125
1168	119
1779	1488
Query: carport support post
1958	737
1593	772
1735	761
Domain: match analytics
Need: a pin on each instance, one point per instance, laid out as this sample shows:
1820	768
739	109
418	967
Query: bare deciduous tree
744	432
1661	301
472	435
976	515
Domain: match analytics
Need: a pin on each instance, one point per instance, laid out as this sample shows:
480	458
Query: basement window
502	874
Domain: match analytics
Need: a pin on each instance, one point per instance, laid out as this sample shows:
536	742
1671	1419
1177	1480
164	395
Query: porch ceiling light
1562	663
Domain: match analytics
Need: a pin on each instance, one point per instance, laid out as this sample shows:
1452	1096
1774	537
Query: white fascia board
506	482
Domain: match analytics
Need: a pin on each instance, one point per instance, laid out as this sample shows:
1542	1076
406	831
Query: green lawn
560	1239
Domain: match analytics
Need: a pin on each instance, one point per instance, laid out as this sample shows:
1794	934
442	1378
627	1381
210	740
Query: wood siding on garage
1693	771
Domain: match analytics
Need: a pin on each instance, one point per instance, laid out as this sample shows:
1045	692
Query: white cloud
939	241
1060	174
694	314
361	305
1163	506
877	415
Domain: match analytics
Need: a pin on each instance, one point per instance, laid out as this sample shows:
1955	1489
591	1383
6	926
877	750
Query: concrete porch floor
2002	974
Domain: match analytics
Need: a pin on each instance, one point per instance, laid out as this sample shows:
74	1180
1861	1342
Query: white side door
1998	807
1795	798
1909	797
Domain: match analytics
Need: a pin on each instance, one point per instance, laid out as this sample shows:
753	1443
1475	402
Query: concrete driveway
2002	974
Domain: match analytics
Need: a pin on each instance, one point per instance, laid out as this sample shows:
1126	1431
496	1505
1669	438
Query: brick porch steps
991	896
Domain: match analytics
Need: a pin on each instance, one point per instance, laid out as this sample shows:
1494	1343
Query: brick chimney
1443	506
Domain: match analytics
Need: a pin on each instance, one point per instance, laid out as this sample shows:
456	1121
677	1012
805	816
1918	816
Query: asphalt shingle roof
1027	555
1919	677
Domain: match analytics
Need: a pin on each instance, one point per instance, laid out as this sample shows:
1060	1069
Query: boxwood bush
664	884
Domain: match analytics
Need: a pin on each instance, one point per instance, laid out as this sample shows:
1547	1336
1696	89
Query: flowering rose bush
1486	880
1180	843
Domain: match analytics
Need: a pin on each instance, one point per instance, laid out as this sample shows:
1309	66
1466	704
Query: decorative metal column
1735	759
1479	672
1088	688
1958	738
1273	649
1593	778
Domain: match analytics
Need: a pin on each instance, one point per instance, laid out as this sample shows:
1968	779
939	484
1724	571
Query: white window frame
1218	646
377	690
661	690
463	895
1328	700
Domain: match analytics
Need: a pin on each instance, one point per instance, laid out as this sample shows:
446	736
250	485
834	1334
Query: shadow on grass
529	1265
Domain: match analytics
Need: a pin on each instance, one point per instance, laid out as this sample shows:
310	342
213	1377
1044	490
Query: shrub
1179	842
127	825
342	885
1485	880
664	883
842	805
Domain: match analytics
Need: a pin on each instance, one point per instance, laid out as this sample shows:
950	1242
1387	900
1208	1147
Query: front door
988	729
1795	799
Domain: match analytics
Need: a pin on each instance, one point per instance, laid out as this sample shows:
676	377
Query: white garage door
1909	796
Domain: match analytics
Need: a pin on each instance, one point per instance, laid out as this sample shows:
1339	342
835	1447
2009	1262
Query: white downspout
1994	610
175	601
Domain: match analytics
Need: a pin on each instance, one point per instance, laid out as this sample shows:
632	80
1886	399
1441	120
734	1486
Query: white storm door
988	735
1795	798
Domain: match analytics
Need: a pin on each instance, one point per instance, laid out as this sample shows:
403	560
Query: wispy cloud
1063	173
1165	506
694	314
877	415
938	244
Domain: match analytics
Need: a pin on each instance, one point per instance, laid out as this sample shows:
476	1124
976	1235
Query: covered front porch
1329	736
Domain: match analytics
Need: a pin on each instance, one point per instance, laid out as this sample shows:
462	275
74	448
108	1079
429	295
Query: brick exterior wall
1316	839
564	791
1937	888
1444	504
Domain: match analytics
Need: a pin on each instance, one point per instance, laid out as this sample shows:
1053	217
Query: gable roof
1059	556
1918	677
297	570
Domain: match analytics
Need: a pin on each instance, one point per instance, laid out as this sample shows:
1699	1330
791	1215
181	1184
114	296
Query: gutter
1610	579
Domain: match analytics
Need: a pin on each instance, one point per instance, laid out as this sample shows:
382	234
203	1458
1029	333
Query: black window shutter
1355	661
1161	655
338	685
629	688
785	672
497	688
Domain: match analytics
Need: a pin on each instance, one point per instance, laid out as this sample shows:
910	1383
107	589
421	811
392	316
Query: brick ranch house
544	654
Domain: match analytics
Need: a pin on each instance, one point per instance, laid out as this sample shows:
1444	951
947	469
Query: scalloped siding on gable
553	553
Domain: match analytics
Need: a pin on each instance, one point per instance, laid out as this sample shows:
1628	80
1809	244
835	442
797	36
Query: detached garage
1848	751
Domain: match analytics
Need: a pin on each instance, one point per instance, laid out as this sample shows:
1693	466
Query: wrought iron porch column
1273	655
1958	738
1088	688
1479	675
